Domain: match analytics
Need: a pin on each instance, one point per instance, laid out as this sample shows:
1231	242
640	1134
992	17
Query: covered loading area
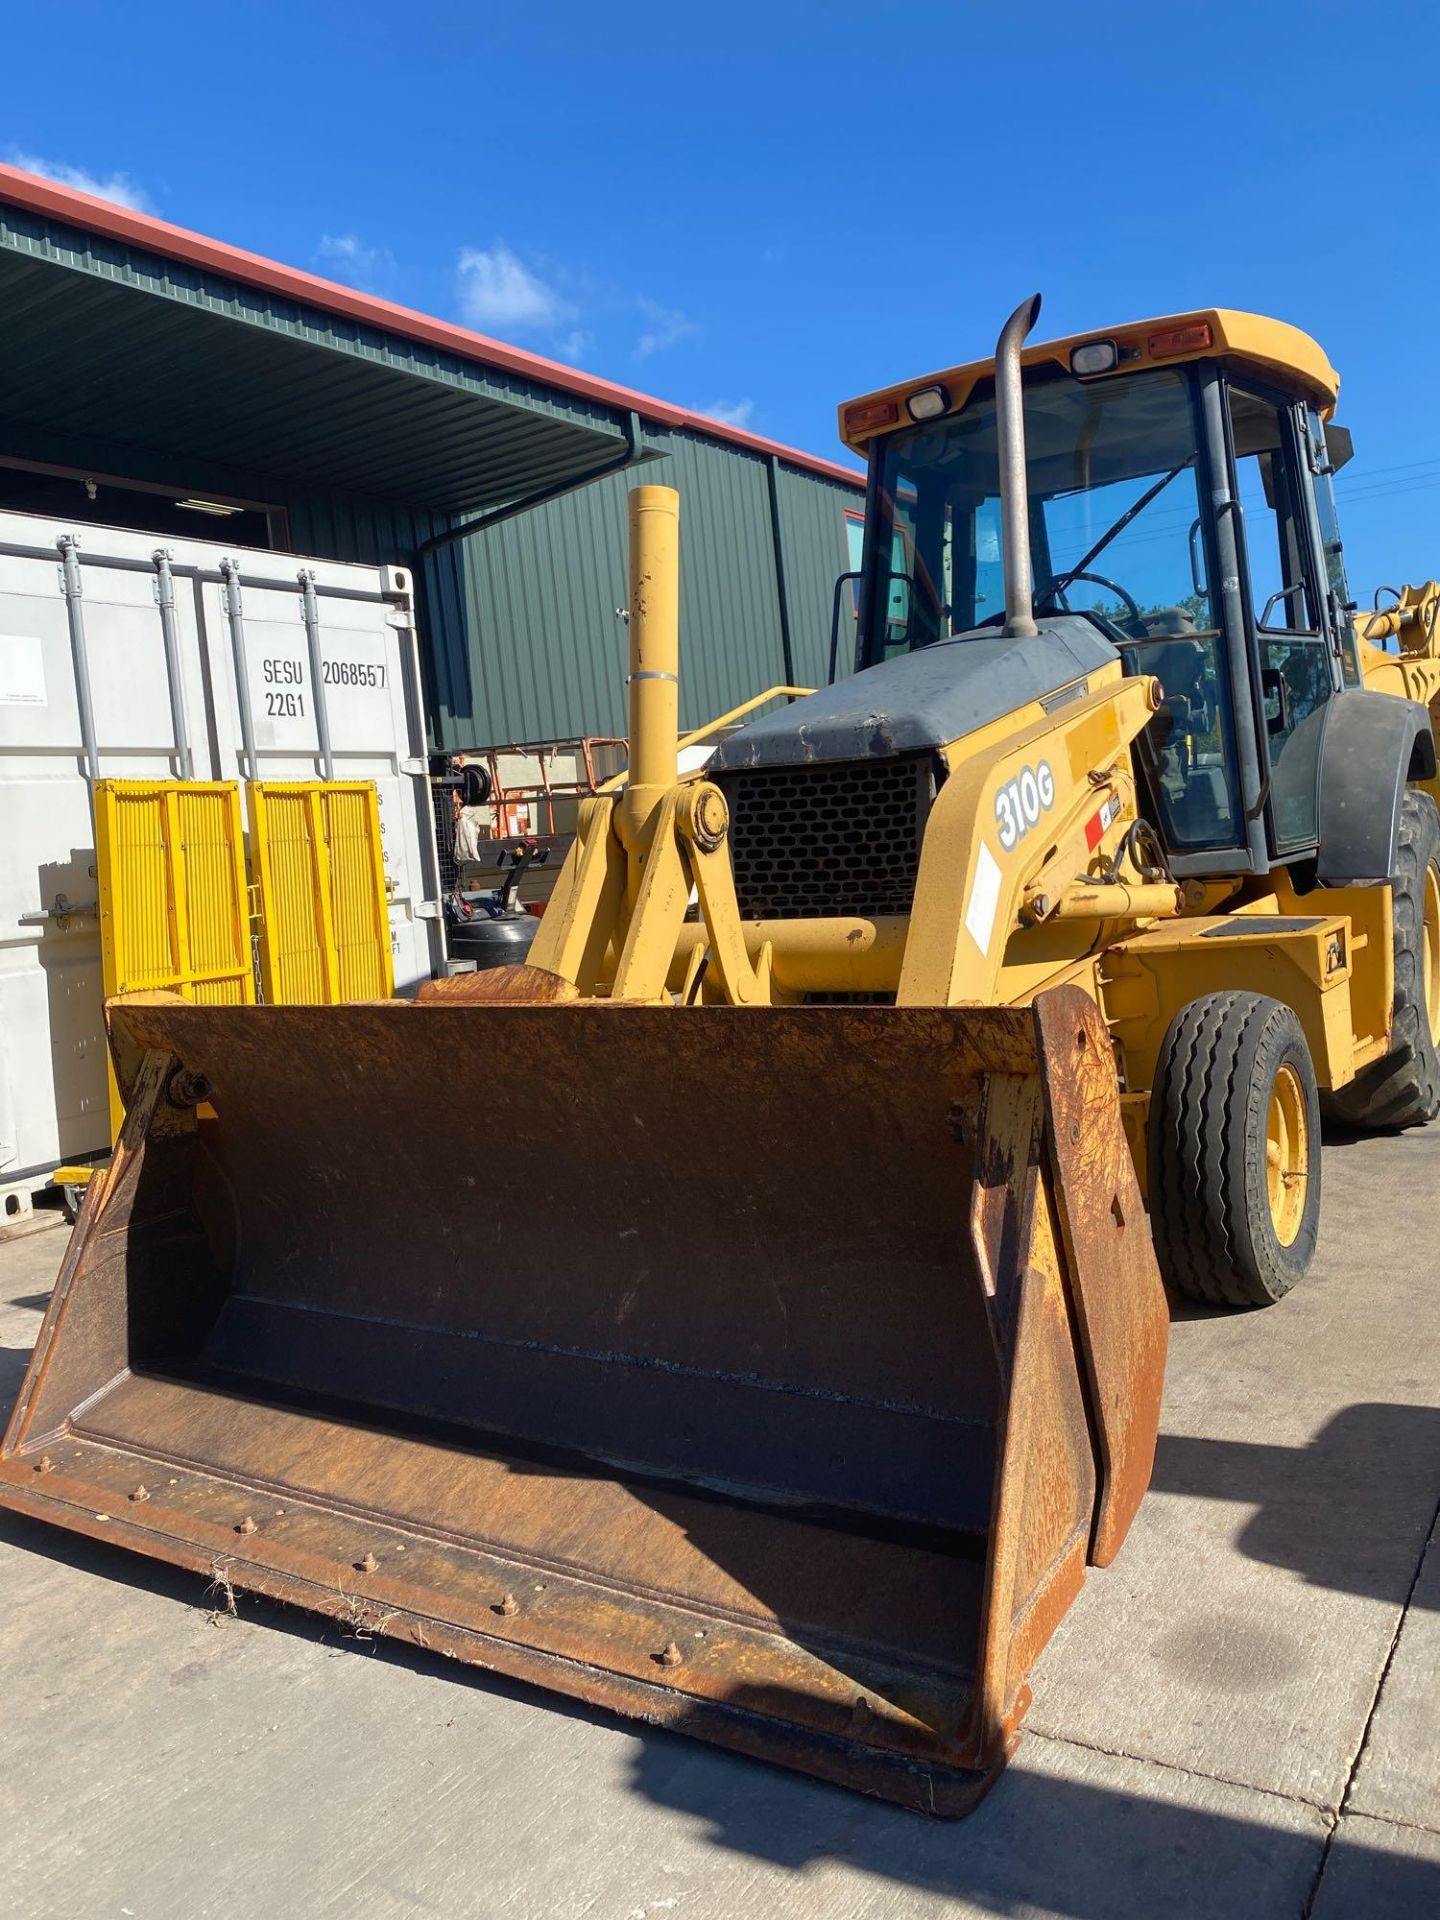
156	379
175	376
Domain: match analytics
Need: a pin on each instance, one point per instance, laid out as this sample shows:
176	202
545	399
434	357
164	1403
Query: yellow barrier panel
320	873
174	912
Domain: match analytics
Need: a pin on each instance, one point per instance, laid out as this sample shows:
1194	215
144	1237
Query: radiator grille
810	842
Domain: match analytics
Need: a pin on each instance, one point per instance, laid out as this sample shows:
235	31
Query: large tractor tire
1403	1089
1234	1151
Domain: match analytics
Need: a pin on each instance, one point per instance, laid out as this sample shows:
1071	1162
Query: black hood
921	701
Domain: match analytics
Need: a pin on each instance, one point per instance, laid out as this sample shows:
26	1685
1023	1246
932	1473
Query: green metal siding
812	534
341	526
524	637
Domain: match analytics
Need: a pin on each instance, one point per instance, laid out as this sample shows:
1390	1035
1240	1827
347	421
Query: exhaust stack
1014	489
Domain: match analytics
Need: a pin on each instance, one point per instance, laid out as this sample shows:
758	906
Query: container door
53	1059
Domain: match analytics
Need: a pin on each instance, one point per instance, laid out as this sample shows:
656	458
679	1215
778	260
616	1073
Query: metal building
155	379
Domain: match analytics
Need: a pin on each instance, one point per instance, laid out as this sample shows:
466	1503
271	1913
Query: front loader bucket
769	1374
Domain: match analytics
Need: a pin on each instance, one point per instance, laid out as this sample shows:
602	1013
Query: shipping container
124	658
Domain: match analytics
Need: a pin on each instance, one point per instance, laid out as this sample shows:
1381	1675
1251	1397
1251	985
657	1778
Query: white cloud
345	256
118	187
729	413
667	328
558	309
499	293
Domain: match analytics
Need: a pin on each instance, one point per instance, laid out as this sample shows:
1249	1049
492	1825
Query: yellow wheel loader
811	1347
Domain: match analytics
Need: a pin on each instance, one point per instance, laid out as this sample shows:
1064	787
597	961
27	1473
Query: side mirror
1339	446
846	579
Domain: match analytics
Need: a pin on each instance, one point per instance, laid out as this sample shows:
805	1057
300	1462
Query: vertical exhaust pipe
653	683
1014	487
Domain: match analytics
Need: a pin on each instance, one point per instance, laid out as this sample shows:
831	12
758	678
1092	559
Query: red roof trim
42	196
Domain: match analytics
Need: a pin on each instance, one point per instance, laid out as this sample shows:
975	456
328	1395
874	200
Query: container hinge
61	911
417	769
427	910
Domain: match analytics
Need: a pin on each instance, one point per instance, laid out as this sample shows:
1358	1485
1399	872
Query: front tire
1234	1151
1403	1089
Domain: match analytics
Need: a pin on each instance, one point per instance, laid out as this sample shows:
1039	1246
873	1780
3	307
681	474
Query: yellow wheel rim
1287	1152
1430	940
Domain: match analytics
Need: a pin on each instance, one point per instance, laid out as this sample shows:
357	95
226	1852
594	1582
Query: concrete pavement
1239	1718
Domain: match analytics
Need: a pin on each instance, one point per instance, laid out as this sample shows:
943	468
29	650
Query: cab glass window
1295	655
1324	465
1117	531
1115	510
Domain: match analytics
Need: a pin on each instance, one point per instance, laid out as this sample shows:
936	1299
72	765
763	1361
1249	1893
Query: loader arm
1413	670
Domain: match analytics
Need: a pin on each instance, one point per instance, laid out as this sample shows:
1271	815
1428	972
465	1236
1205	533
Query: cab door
1293	648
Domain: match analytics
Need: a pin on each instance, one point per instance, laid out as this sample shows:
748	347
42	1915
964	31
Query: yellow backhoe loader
812	1347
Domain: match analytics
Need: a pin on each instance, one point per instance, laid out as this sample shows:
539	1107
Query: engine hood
920	701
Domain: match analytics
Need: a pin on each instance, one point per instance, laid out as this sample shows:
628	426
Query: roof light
870	415
1096	356
217	507
929	403
1179	340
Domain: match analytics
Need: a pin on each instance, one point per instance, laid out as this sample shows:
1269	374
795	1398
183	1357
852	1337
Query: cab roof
1272	347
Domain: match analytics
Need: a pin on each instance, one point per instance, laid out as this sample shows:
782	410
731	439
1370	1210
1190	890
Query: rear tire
1234	1151
1403	1089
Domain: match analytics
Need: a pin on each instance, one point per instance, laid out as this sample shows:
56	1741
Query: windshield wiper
1057	587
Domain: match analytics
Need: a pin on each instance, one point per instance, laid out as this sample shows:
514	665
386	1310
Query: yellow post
653	684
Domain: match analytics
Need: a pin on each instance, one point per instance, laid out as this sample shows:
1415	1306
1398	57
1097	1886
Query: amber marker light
1179	340
871	415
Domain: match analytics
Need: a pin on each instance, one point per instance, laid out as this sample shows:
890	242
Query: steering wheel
1132	606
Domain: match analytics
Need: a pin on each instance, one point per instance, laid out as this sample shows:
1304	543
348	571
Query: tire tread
1200	1118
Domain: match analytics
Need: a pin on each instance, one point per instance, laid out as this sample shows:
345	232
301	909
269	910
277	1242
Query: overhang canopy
100	340
125	330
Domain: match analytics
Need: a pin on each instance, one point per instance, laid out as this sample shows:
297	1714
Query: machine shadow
13	1362
1350	1511
1039	1842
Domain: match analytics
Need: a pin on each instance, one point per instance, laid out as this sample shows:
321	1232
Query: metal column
73	590
310	614
235	620
165	598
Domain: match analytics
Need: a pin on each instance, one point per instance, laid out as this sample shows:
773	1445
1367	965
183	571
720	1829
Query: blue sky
763	210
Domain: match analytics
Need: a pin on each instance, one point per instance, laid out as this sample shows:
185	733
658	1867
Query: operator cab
1179	496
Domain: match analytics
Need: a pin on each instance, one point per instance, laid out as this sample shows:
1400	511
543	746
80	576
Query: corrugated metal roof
486	421
98	339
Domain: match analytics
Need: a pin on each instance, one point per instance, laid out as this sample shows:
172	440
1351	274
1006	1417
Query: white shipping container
173	712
